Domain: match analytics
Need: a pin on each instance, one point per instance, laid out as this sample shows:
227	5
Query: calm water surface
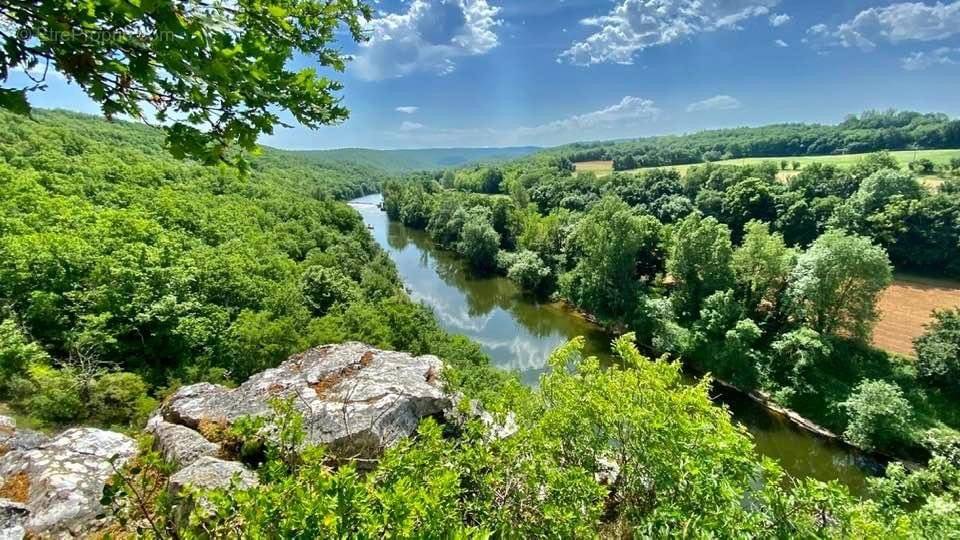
518	333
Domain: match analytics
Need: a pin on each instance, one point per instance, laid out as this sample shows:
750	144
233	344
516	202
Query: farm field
907	306
939	157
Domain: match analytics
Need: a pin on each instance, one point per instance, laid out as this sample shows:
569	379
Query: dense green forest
124	273
867	132
768	285
398	161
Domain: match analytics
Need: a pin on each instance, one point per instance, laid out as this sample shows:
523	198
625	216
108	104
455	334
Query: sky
472	73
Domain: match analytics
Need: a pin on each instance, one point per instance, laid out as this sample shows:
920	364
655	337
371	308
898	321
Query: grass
938	157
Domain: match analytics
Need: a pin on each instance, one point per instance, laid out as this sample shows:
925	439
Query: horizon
508	73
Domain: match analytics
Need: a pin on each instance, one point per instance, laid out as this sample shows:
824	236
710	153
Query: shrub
16	354
938	350
52	396
529	271
879	415
120	399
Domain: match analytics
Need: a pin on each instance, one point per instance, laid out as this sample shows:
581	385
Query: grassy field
907	306
939	157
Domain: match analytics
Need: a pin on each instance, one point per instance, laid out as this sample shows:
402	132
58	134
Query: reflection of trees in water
398	236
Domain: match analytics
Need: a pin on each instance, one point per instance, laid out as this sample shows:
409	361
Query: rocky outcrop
354	399
212	473
53	488
179	445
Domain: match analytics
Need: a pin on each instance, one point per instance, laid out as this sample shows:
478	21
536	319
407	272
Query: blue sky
442	73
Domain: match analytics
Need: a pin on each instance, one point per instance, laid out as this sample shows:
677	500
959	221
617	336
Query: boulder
60	481
355	399
13	520
12	438
212	473
462	412
179	445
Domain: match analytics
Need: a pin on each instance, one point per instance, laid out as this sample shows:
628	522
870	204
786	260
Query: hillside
867	132
417	160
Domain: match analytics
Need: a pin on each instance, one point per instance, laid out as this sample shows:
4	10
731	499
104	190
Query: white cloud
634	25
716	103
613	121
779	19
919	61
411	126
407	109
781	43
429	37
896	23
39	72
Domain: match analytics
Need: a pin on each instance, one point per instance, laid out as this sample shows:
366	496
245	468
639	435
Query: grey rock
212	473
355	399
179	445
65	477
496	428
13	519
12	438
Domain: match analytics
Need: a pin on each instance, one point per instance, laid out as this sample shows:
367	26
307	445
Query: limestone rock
497	429
355	399
61	480
212	473
13	519
12	438
179	445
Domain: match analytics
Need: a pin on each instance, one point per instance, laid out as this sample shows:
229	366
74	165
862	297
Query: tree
747	200
613	248
528	271
761	266
835	285
17	353
222	66
700	261
938	350
479	241
882	187
879	415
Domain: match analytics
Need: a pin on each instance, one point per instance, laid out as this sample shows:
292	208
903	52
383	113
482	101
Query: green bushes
879	415
938	351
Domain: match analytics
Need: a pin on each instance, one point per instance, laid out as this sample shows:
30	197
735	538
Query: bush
529	271
923	166
16	354
938	351
879	415
52	396
120	399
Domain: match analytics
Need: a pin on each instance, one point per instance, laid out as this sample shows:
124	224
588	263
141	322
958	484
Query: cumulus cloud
614	120
781	43
634	25
407	109
896	23
779	19
921	60
716	103
429	37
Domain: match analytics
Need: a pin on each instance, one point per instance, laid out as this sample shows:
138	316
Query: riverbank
518	332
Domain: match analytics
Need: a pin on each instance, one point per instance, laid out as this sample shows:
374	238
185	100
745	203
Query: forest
868	132
767	285
125	273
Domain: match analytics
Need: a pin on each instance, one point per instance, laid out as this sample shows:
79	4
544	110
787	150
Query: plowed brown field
907	306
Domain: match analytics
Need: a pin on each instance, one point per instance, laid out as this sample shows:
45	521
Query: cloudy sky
545	72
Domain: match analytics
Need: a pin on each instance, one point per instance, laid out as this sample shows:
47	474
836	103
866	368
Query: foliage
879	415
221	67
836	283
16	354
479	241
938	350
700	261
325	287
529	271
761	266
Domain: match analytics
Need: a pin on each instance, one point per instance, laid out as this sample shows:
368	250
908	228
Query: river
518	333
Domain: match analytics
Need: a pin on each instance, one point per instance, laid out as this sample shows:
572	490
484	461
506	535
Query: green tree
613	248
16	354
938	350
882	187
216	71
324	287
835	285
479	241
529	271
700	262
761	266
879	415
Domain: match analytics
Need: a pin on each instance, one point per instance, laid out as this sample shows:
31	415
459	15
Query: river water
518	333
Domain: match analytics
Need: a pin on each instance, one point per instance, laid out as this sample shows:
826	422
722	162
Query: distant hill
397	161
